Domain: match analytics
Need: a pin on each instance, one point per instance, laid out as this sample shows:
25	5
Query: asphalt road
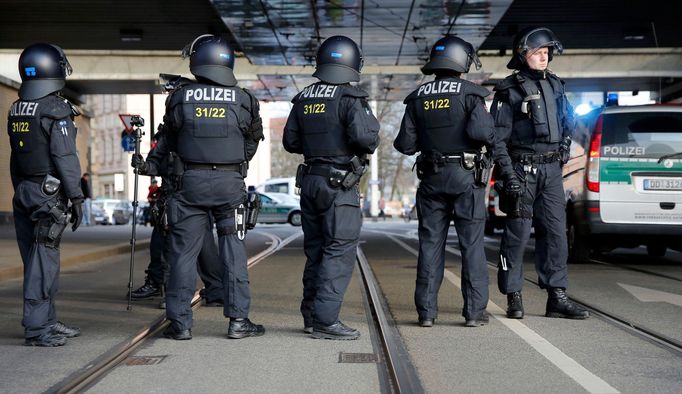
536	354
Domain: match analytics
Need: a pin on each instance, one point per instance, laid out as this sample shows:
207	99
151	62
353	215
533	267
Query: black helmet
43	69
339	60
531	39
212	58
451	53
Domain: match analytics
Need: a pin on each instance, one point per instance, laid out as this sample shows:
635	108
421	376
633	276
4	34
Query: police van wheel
578	246
295	218
656	250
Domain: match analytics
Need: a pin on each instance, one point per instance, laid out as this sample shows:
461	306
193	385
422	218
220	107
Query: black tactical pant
218	193
209	266
41	263
331	228
442	197
543	205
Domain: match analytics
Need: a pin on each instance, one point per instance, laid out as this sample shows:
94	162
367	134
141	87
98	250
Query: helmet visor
189	48
539	38
63	61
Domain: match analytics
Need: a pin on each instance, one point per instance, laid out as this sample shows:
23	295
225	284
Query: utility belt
537	158
34	178
344	178
241	167
431	162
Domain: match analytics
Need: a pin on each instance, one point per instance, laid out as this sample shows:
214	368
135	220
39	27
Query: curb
122	248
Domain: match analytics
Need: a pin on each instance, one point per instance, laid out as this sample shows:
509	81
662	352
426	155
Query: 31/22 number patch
436	104
209	112
316	108
20	127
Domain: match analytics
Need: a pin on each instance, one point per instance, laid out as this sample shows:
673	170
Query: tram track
638	330
635	269
398	374
89	375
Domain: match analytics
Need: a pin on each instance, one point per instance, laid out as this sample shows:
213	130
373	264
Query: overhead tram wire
454	18
350	10
362	21
388	88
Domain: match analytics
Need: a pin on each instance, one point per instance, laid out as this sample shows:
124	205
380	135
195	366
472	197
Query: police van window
277	188
642	134
265	199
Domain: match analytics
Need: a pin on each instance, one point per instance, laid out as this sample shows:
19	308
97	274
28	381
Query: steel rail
87	376
401	375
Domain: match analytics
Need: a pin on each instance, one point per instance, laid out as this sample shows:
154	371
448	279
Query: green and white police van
624	180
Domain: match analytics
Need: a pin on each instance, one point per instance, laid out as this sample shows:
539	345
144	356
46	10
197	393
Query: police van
623	182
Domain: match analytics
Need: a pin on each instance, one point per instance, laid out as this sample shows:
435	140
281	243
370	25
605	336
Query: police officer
209	265
447	122
45	174
332	125
215	127
534	118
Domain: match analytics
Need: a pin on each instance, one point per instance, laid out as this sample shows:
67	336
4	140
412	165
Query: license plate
663	184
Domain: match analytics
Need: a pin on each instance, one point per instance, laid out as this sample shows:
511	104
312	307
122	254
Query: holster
50	228
300	173
253	205
482	169
244	168
353	176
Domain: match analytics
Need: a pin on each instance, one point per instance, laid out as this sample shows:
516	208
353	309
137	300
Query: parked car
123	212
116	211
107	205
280	185
99	216
624	180
279	208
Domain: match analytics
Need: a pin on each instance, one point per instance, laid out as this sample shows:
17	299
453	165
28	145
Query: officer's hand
137	162
76	213
512	187
565	150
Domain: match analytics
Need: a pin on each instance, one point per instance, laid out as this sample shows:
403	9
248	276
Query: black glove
137	162
512	187
565	150
76	213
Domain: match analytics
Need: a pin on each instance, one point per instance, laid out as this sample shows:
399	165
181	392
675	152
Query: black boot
242	328
558	305
179	335
62	329
337	330
515	305
148	290
482	320
46	340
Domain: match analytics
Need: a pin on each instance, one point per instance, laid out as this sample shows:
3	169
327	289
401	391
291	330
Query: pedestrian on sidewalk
45	173
87	194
